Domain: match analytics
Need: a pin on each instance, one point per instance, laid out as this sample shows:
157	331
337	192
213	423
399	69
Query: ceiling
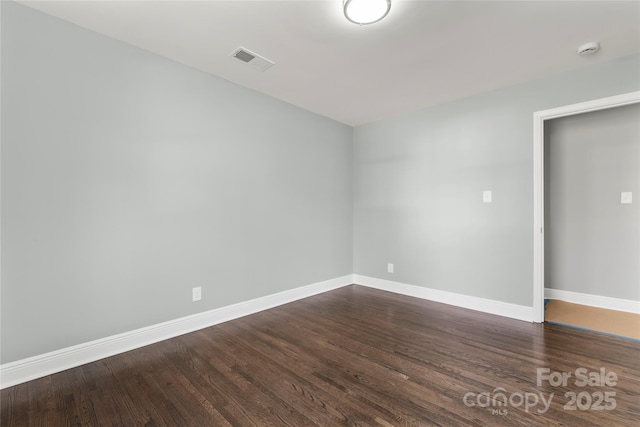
422	54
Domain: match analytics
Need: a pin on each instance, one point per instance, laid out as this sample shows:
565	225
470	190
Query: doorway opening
539	119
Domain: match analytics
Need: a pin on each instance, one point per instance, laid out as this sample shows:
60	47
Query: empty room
320	213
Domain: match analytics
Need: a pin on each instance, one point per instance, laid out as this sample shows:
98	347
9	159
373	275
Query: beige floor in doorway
597	319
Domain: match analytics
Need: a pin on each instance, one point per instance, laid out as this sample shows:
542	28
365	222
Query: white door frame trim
539	118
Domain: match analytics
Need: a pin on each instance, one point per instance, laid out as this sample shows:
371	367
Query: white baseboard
499	308
619	304
59	360
56	361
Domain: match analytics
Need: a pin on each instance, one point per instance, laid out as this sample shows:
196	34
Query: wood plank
354	356
597	319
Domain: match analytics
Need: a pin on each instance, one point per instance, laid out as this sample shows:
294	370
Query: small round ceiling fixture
589	49
364	12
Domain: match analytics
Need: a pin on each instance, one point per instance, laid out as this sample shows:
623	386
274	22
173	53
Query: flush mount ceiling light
589	49
366	11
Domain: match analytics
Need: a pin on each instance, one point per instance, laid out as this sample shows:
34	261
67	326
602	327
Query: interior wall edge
34	367
499	308
38	366
619	304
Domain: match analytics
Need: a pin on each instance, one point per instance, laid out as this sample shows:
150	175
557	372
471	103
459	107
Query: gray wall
127	179
419	178
592	242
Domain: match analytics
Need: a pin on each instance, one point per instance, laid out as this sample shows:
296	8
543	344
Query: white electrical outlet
486	196
197	293
389	268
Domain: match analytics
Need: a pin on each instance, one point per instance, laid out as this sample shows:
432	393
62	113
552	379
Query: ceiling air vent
252	59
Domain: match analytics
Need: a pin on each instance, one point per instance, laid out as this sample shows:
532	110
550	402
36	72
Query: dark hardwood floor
354	356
